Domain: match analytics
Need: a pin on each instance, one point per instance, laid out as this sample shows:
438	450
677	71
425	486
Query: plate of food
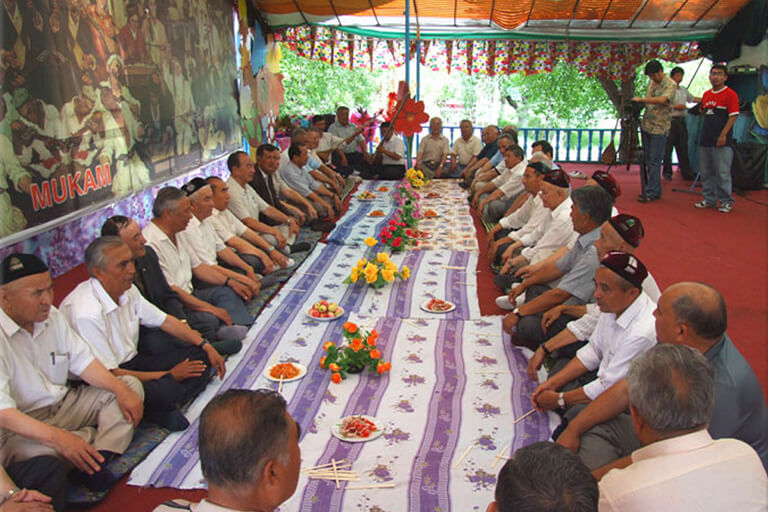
438	306
357	429
366	196
423	235
325	311
430	214
288	371
376	213
382	189
433	195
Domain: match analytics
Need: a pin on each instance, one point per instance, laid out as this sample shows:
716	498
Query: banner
101	98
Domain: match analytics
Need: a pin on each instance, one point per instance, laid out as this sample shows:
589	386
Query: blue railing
569	144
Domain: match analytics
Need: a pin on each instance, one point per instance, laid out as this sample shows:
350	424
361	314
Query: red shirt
717	107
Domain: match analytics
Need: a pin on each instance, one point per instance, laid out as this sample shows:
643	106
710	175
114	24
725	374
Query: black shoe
322	226
668	177
227	347
300	247
173	420
464	184
505	281
645	199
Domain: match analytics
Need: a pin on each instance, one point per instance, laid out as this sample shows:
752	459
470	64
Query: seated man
296	177
172	212
200	240
329	146
570	280
248	207
389	157
680	467
464	148
433	151
500	193
546	148
28	494
692	314
490	136
355	153
213	323
624	329
249	453
609	184
534	242
107	311
248	244
541	477
324	174
491	169
621	233
39	413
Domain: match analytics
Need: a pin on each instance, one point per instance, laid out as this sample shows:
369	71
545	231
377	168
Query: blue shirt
298	179
496	159
579	266
488	150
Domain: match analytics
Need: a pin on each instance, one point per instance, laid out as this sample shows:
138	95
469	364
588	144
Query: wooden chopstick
499	456
521	418
463	455
372	486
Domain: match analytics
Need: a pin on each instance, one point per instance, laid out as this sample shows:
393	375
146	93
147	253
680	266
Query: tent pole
407	67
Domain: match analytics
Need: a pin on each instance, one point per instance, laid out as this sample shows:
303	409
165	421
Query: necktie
271	188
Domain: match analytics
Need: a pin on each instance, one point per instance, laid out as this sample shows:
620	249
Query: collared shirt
313	162
532	210
200	239
682	96
616	341
226	225
656	119
510	182
547	238
328	141
203	506
489	150
34	367
175	261
740	409
691	472
466	149
110	329
343	132
584	326
579	266
277	181
395	145
496	159
244	202
299	179
431	148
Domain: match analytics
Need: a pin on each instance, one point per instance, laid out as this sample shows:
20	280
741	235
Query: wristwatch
203	344
7	496
545	349
270	249
561	400
516	312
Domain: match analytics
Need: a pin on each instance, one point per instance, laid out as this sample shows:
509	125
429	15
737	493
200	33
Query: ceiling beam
455	11
705	13
674	14
573	12
300	11
637	13
530	11
605	13
333	7
374	13
490	18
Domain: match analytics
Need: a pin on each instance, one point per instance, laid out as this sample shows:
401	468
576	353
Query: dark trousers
355	162
45	474
678	139
529	331
166	394
388	172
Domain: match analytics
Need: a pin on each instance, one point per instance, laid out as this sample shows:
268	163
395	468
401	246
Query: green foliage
315	87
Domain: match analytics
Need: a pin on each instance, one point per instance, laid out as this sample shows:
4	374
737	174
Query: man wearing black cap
39	413
625	328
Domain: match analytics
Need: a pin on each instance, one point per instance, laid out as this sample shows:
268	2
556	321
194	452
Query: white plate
423	306
331	319
365	199
336	430
424	235
302	373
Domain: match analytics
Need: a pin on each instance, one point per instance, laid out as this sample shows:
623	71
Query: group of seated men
164	305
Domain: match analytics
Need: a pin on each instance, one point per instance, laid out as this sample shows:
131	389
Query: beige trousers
89	412
286	232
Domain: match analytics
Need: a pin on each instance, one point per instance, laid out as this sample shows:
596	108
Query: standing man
464	149
720	107
433	151
655	126
678	131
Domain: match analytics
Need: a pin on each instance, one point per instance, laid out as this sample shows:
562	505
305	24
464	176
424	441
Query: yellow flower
388	275
361	264
371	267
382	257
370	241
370	277
391	266
405	272
354	275
420	174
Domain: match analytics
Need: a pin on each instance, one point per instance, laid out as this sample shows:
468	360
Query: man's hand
515	292
311	212
281	241
511	249
254	285
187	369
131	404
27	501
550	316
569	439
439	171
518	261
506	267
278	258
267	262
243	291
222	314
30	496
216	360
546	400
721	141
510	321
528	270
78	452
534	363
336	203
293	227
251	274
25	184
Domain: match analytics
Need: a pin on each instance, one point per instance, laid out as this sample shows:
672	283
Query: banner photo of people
101	98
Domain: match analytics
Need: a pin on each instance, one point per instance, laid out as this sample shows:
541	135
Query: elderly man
464	148
490	135
39	413
389	157
213	322
503	190
249	453
433	151
680	467
248	207
534	242
621	233
655	126
624	329
172	212
353	145
200	240
329	145
296	177
574	272
324	174
692	314
542	477
491	171
107	311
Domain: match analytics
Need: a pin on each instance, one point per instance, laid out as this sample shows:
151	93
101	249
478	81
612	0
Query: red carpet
681	244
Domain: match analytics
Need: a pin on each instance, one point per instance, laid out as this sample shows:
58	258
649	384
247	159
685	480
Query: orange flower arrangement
411	117
359	352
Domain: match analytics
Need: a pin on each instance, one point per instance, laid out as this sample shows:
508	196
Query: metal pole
407	66
418	69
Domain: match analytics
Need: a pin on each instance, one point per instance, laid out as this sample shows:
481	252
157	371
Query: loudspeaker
748	169
746	85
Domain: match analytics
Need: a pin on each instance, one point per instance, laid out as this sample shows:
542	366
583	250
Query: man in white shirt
677	138
354	149
39	414
464	148
389	158
626	328
248	206
433	151
500	193
199	238
680	467
172	212
249	453
329	145
107	311
322	173
492	170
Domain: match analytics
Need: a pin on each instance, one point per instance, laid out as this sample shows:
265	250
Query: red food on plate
284	371
433	195
357	427
383	189
376	213
430	213
438	305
